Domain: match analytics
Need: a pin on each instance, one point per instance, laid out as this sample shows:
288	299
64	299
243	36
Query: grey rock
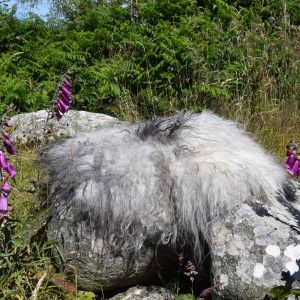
255	249
29	128
145	293
93	259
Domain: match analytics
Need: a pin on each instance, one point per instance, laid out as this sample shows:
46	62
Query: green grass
30	254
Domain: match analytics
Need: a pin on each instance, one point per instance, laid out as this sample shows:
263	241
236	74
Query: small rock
145	293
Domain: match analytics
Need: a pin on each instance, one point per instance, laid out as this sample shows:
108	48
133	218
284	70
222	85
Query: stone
96	265
145	293
252	248
29	128
256	248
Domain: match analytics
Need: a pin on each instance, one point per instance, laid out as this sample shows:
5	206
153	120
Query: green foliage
182	55
25	253
24	250
282	293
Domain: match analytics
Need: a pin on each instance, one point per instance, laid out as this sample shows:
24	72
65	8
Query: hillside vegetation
238	58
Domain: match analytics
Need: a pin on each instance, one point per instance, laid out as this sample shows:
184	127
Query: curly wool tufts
162	181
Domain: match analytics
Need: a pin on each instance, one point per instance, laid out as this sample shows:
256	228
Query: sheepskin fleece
162	181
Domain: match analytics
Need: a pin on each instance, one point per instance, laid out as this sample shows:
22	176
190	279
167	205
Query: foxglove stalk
63	97
4	164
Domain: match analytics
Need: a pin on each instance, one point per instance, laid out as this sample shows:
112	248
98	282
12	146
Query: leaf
115	89
30	228
295	292
279	292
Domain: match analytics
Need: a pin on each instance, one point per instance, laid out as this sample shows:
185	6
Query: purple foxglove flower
6	135
6	188
290	161
11	170
9	147
295	167
3	161
3	205
10	150
68	84
8	142
66	100
65	91
63	108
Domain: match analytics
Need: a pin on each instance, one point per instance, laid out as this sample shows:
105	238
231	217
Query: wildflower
67	83
190	270
11	171
6	166
3	205
295	170
6	188
3	161
290	161
9	146
62	106
6	135
66	92
293	153
63	97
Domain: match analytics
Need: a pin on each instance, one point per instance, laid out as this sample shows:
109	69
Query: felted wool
162	181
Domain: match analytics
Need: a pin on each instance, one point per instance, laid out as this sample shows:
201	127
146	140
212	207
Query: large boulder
98	267
31	129
256	248
254	243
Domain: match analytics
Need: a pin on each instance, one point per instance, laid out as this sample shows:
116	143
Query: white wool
162	181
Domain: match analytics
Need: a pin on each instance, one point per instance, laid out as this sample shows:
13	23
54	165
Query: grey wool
162	181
